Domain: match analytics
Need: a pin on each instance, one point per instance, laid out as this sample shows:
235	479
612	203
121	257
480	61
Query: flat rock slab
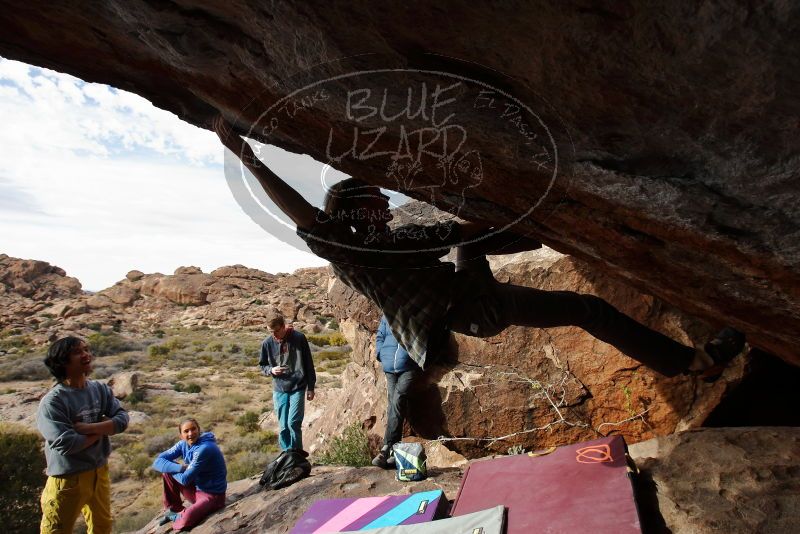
721	480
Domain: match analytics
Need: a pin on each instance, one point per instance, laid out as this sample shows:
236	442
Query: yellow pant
65	496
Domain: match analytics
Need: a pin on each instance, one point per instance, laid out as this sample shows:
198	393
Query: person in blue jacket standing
201	477
286	357
400	372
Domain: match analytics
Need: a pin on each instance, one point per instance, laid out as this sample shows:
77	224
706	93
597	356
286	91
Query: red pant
202	503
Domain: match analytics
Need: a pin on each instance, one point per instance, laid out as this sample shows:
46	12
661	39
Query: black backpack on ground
289	467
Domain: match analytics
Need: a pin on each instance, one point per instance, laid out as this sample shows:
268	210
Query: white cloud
54	110
99	181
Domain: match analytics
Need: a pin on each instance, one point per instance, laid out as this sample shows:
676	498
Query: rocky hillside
40	300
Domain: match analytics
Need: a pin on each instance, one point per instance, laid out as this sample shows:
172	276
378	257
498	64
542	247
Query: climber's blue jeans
290	409
488	307
397	387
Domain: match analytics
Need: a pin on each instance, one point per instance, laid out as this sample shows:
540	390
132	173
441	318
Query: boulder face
36	280
656	142
721	480
529	387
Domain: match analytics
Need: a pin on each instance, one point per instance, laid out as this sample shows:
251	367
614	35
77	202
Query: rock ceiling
657	141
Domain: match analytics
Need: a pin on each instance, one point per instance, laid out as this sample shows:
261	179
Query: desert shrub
22	472
106	343
94	326
159	333
140	465
251	375
349	448
132	521
237	397
261	441
136	459
318	340
247	422
252	350
215	346
234	349
328	321
175	343
335	339
516	449
191	387
247	464
220	409
136	397
156	351
336	366
323	355
160	407
15	342
27	370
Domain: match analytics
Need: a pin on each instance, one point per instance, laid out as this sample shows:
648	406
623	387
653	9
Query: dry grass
225	367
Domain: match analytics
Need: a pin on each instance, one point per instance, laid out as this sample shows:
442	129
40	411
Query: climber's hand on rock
225	132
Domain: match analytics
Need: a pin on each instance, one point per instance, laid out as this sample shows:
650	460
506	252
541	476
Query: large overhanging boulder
656	141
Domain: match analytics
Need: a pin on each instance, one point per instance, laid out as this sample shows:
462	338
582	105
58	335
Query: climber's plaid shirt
399	271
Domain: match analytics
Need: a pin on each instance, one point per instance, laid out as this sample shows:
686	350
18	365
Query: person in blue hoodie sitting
200	478
400	372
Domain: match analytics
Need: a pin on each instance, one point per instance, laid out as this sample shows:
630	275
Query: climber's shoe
169	517
725	346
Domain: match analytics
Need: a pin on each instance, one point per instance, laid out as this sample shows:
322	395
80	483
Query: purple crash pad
583	487
337	515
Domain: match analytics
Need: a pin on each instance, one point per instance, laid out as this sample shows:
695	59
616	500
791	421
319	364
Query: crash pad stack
342	515
585	487
491	521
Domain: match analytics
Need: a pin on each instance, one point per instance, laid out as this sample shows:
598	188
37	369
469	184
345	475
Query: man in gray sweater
76	417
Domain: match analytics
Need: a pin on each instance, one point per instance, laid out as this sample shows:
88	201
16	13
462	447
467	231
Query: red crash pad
584	487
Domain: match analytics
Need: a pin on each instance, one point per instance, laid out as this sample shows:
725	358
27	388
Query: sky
98	181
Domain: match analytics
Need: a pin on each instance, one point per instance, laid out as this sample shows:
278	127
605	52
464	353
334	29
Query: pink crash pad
580	488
